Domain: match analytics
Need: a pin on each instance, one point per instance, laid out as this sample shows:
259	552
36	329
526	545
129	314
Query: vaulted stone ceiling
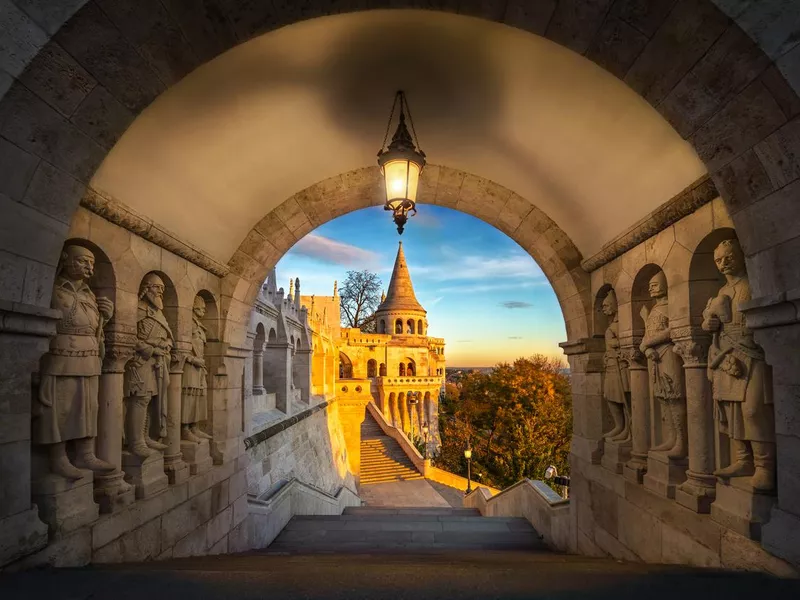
244	132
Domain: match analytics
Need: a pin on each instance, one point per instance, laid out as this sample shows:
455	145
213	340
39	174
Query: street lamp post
468	456
425	430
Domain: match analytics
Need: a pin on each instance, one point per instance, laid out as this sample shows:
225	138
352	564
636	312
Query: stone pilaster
225	367
699	490
111	491
775	321
636	467
258	370
352	412
587	366
302	373
25	333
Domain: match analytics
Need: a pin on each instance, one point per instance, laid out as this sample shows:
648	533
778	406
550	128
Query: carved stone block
146	474
616	455
634	471
112	492
64	504
739	508
197	456
664	474
176	469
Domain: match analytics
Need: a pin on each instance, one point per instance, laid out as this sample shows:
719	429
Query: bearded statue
616	384
194	407
740	376
67	403
147	373
666	371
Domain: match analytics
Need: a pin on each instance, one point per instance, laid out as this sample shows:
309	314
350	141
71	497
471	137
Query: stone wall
630	498
313	451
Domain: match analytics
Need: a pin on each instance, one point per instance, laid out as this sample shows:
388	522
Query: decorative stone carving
740	377
194	407
616	384
666	371
67	404
147	374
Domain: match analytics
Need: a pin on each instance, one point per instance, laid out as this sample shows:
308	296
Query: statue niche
147	373
740	377
666	371
67	404
194	407
616	384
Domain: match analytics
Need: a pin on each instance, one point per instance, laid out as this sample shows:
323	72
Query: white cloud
474	267
331	251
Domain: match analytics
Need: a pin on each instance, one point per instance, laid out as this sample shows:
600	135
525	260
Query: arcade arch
752	184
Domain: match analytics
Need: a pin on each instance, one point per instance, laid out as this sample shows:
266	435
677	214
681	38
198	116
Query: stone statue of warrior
666	370
147	373
67	403
740	377
194	406
616	385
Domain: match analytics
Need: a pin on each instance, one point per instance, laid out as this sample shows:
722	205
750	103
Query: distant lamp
550	472
401	164
468	456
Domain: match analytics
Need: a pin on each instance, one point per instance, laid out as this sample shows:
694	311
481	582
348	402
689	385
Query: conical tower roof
400	296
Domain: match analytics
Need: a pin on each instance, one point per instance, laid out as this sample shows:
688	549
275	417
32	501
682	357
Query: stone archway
524	223
78	85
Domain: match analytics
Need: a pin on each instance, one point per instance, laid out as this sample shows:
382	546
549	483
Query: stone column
174	466
636	467
699	489
258	371
279	362
302	368
25	333
111	491
587	365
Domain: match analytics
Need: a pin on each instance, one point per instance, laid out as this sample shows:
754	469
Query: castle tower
400	313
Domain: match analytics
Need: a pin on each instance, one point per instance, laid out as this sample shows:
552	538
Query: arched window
410	329
345	366
382	326
419	328
382	370
401	370
410	369
398	326
372	368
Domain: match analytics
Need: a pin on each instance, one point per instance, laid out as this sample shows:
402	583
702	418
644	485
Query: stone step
413	512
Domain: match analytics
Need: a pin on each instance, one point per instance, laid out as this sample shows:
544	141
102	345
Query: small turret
335	288
297	293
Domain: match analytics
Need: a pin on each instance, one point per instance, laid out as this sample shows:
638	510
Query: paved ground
465	576
454	497
402	494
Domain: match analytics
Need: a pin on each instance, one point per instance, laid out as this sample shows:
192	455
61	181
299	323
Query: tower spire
400	295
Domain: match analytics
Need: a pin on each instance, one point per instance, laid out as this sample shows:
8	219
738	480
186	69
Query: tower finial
291	286
335	288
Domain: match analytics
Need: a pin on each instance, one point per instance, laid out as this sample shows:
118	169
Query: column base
65	505
664	474
635	469
741	508
197	455
697	492
112	493
176	469
145	474
21	534
615	455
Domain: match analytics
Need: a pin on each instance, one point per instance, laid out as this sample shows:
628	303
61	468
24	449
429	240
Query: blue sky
484	294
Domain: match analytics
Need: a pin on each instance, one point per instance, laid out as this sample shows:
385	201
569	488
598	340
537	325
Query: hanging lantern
401	164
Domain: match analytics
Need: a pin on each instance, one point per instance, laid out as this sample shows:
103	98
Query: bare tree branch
360	296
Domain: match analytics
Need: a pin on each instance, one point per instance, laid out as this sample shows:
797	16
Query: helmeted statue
194	405
616	384
739	376
147	373
67	403
666	370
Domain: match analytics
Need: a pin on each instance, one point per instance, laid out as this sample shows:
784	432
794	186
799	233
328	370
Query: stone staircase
395	530
382	458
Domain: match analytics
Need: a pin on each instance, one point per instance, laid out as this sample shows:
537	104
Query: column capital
180	352
583	346
120	341
691	343
773	310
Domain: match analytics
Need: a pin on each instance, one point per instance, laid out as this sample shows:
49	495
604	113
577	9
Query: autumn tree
517	418
360	297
